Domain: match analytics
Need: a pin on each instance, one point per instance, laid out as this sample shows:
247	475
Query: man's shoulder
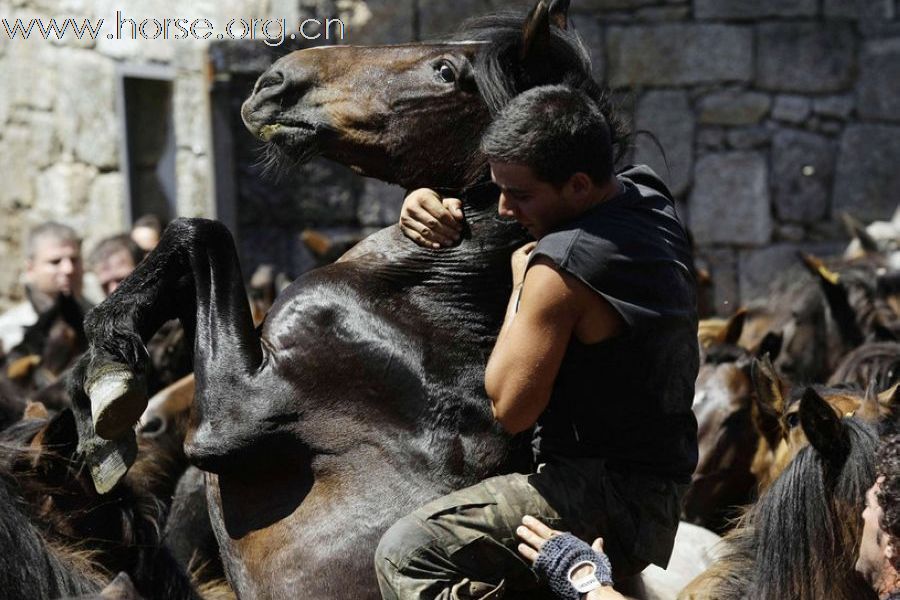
13	323
21	314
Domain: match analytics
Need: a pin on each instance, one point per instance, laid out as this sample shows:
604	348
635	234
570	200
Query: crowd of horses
359	394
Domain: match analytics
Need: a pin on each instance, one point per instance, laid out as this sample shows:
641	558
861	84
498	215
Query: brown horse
361	397
727	440
59	537
800	539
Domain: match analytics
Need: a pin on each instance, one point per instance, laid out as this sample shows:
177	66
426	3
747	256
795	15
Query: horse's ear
889	405
768	401
836	296
858	231
816	267
870	410
536	29
733	329
120	588
559	13
770	345
823	428
890	396
35	411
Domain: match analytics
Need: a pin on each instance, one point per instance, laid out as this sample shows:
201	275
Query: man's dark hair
556	131
113	245
887	465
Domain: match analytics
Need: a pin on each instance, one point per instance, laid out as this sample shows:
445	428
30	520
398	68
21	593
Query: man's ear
580	185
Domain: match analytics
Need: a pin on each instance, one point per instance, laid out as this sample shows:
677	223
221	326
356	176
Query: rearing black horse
361	396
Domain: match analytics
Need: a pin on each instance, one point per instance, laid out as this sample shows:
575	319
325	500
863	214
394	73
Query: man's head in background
53	261
113	259
146	232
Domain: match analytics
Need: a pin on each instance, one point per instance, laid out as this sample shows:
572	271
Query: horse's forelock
500	76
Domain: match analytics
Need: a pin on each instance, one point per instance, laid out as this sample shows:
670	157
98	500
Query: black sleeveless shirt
628	398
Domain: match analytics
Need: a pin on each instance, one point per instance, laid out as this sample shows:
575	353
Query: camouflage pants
463	545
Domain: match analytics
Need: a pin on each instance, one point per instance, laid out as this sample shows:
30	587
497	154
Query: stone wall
60	131
775	116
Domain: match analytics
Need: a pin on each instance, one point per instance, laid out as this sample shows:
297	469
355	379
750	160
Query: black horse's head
413	114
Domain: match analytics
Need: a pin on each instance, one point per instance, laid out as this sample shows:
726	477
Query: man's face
536	205
55	267
111	271
874	547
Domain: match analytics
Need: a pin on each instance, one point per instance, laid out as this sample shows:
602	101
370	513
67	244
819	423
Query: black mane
799	540
500	74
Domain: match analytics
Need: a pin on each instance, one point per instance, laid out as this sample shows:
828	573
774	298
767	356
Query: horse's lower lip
280	133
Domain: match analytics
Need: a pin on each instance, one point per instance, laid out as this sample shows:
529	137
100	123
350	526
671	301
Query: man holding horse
597	353
879	548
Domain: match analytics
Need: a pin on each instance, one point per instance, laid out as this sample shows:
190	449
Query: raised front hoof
118	398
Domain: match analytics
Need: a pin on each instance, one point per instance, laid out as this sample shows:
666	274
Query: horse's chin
282	155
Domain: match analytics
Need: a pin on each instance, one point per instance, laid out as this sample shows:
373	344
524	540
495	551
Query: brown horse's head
414	114
726	438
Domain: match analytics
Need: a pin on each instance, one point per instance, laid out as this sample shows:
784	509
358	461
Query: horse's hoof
118	398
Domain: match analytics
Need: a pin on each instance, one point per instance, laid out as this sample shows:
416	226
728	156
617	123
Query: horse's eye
792	420
446	73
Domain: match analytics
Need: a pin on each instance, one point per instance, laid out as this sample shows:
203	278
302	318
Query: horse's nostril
269	79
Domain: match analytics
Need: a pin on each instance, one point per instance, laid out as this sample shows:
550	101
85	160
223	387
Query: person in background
52	267
146	232
113	259
879	548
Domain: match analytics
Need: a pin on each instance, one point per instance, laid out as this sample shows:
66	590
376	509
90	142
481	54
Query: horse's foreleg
193	275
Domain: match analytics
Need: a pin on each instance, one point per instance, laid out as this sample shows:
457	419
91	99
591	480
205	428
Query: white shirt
13	323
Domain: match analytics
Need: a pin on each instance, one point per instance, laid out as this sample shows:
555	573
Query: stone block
19	174
802	172
745	138
722	265
733	108
668	116
663	13
43	144
859	9
30	62
752	10
608	5
592	34
5	95
878	90
834	107
805	56
793	109
191	109
106	208
789	232
679	54
62	193
730	199
193	184
758	268
711	138
87	122
868	178
437	17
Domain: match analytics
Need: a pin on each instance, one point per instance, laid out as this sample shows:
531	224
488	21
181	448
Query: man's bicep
540	332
